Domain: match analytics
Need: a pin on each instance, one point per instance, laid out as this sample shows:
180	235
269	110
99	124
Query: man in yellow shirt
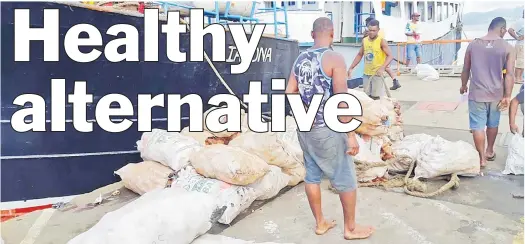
381	34
377	56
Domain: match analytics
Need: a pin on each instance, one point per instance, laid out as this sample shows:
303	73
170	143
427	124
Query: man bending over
381	34
377	57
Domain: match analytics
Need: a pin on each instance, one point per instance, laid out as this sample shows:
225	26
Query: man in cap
413	38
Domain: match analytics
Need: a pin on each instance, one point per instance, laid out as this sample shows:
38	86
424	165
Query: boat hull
38	165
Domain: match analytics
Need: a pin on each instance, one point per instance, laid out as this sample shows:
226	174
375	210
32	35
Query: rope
411	186
384	84
220	76
396	181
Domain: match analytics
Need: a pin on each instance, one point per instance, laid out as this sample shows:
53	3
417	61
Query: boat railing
275	9
225	17
438	53
358	25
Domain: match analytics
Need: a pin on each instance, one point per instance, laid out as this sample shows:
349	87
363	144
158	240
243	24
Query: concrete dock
482	210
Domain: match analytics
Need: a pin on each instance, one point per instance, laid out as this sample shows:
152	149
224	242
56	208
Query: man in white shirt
413	38
517	32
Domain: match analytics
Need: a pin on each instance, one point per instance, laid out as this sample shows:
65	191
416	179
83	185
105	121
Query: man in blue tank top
320	70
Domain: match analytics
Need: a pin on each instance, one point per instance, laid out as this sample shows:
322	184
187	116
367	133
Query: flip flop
492	158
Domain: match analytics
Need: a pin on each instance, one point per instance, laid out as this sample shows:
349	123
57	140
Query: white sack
290	141
441	157
176	215
374	111
266	146
514	163
220	239
372	130
426	72
169	148
145	176
198	136
372	173
369	152
270	184
407	150
229	164
272	150
223	119
361	96
235	198
395	133
296	174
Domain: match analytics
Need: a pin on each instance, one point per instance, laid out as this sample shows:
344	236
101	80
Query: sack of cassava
169	148
145	176
235	198
229	164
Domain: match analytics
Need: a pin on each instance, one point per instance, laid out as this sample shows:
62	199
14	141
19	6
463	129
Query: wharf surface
482	210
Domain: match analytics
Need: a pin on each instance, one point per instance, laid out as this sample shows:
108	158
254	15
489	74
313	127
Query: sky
485	6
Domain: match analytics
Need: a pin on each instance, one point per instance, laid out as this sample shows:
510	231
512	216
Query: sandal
492	158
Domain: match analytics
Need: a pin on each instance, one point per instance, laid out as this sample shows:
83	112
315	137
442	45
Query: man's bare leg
492	133
313	192
479	142
352	230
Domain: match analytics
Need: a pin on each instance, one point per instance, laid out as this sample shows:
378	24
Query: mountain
476	18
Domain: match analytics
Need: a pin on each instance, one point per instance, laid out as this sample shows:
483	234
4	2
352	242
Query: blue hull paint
32	178
354	83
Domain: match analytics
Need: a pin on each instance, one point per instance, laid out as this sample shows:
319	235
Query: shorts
483	114
324	152
374	87
519	56
414	48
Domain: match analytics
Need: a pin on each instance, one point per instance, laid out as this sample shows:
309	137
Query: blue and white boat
39	168
439	20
